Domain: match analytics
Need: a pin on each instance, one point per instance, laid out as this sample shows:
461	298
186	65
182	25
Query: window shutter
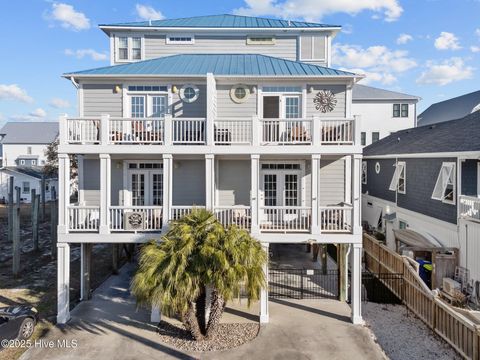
396	175
305	47
319	47
442	181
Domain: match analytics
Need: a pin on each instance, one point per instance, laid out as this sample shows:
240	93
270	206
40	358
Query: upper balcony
469	207
169	131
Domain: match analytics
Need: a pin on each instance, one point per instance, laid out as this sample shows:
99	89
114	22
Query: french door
281	189
146	187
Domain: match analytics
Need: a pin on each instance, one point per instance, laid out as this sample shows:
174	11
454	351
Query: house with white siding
240	115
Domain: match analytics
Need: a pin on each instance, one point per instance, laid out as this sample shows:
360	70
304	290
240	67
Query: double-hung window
25	187
136	48
364	172
400	110
129	48
445	186
123	48
398	182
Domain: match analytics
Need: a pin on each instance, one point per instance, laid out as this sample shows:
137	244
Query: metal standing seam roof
223	21
29	132
217	64
363	92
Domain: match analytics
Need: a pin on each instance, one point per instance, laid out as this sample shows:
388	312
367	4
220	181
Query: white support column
104	129
168	130
264	316
316	193
356	184
254	193
348	179
356	285
209	181
316	131
63	192
257	131
63	283
105	189
155	315
358	129
211	109
62	129
82	270
167	189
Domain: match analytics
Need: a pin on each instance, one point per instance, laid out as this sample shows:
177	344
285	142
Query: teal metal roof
223	21
217	64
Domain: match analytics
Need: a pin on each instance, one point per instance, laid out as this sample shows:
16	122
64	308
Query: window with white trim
180	39
34	162
400	110
398	182
123	48
445	186
260	40
136	48
313	47
25	187
364	172
129	48
22	162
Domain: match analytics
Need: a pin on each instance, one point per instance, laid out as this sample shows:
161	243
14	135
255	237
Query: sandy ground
403	336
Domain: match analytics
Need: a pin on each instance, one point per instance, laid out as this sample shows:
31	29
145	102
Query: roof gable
363	92
29	132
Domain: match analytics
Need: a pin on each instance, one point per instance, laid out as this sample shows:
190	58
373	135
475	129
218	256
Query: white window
136	48
260	40
22	162
25	187
180	39
189	93
129	48
123	48
313	47
399	178
29	150
400	110
239	93
445	186
138	106
34	162
364	172
292	107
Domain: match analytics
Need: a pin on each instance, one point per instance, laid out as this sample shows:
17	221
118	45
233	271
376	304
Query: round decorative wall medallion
189	93
325	101
239	93
377	167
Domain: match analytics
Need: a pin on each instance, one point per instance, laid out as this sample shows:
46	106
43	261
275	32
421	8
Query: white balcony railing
285	219
286	131
241	216
83	218
83	130
337	132
469	207
188	131
136	218
233	132
136	131
336	218
178	211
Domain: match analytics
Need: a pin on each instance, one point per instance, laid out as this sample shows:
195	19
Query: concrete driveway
109	327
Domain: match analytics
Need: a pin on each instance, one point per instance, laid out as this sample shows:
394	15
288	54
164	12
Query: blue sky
429	48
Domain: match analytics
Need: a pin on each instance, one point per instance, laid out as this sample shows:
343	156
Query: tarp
413	239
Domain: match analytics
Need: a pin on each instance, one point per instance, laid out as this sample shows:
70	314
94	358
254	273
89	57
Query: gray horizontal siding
285	47
101	99
340	95
91	182
332	181
469	177
226	107
189	182
233	187
196	109
378	184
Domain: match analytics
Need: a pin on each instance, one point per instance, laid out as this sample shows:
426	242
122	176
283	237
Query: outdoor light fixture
311	89
117	89
254	89
174	89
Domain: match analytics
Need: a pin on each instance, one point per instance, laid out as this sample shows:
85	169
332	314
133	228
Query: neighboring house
239	115
450	109
23	146
383	112
427	179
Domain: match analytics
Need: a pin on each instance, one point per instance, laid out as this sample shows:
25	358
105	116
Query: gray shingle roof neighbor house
363	92
461	135
29	132
455	108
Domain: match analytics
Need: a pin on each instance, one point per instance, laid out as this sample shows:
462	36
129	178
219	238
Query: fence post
53	223
301	283
16	249
34	208
10	210
42	192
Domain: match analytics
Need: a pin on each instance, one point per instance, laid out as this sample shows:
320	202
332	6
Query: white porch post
356	285
155	315
358	130
257	131
315	193
316	131
167	189
105	195
264	316
62	129
209	181
356	184
104	129
211	109
254	193
168	130
63	192
348	179
63	283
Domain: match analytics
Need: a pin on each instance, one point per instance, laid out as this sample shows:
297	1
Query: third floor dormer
291	40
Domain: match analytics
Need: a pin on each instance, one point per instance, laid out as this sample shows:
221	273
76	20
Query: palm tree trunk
201	310
190	321
216	312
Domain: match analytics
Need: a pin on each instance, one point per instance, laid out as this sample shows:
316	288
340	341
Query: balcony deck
469	207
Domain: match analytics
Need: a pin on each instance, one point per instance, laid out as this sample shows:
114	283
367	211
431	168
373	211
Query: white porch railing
336	218
469	207
286	131
336	132
285	219
135	218
83	130
136	131
188	131
178	211
241	216
233	132
83	218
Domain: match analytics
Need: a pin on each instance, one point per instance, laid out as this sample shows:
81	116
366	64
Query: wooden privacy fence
461	333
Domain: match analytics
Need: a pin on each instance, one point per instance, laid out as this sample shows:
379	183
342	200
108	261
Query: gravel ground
403	336
227	337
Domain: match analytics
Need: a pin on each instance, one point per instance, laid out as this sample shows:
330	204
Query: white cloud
58	103
378	63
14	92
38	113
404	38
475	49
446	72
146	12
477	32
68	17
81	53
447	41
311	10
35	115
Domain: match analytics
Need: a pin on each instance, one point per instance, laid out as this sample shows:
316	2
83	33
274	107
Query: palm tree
199	266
